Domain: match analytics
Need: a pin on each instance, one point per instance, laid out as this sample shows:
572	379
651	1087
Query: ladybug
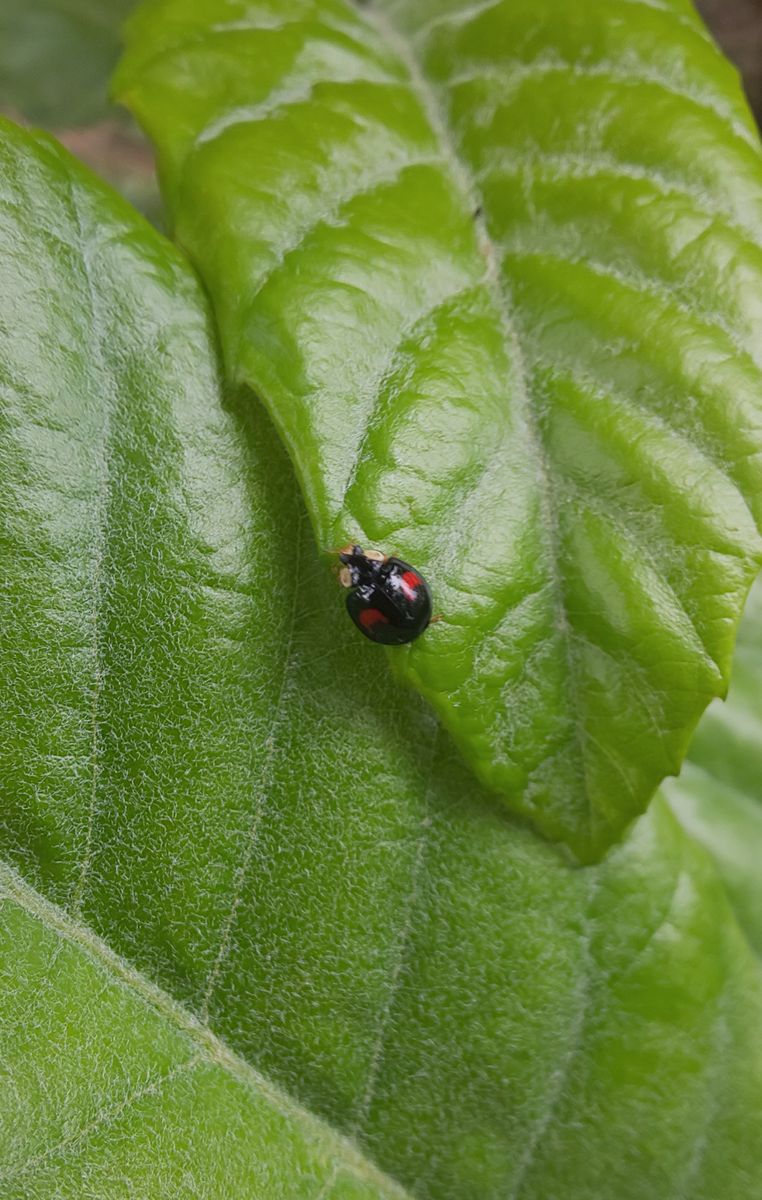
388	600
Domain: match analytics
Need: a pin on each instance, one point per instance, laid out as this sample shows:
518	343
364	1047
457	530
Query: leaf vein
330	214
211	1048
153	1086
467	184
464	16
641	286
261	796
374	418
100	543
537	71
564	165
559	1078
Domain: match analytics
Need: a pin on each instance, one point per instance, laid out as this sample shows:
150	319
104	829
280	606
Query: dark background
737	26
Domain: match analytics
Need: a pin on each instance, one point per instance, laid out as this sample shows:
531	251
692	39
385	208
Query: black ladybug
389	601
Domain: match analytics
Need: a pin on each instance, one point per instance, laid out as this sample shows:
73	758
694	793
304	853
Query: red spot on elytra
372	616
410	584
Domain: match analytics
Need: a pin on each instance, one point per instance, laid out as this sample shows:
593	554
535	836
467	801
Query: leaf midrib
465	180
100	545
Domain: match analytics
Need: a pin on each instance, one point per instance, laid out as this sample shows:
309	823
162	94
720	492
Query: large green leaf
718	796
202	765
494	269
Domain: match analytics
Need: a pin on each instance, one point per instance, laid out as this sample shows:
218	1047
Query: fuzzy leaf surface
117	462
109	1085
201	766
718	795
495	271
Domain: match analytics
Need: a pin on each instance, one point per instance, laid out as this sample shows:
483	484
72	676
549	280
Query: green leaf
113	1085
56	57
494	270
718	795
201	765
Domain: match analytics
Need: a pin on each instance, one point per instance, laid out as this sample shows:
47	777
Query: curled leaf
494	270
